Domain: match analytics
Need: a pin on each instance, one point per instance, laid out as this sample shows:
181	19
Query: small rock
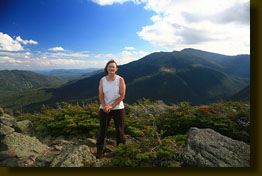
7	154
100	163
5	130
45	160
60	140
58	147
10	162
25	126
90	142
109	148
8	120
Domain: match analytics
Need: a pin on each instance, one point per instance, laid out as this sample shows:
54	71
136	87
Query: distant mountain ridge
188	75
69	74
242	95
15	81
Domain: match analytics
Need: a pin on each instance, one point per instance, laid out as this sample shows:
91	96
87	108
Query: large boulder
24	145
207	148
74	156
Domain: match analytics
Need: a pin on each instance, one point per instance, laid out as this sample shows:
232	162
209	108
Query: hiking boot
100	151
99	155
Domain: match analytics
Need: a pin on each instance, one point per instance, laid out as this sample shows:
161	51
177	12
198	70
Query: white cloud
69	63
50	60
27	53
126	53
110	2
111	56
8	44
144	53
26	42
69	55
7	59
238	12
198	24
98	56
5	53
65	54
129	48
204	24
59	48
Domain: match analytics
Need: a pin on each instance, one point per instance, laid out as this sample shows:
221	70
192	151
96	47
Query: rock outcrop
207	148
74	156
19	148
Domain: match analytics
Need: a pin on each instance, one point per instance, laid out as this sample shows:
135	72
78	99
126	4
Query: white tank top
111	92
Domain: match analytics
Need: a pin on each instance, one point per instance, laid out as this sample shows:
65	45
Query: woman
111	94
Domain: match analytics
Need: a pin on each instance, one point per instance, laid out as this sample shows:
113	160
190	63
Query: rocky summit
207	148
19	149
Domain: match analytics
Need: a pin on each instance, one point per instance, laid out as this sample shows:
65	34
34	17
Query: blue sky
55	34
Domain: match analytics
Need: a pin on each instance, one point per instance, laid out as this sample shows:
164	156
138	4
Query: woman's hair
109	62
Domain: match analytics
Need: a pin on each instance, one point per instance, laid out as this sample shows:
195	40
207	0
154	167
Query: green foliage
67	119
157	131
150	152
221	116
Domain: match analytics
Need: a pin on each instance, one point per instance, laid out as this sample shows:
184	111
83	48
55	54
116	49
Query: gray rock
45	160
57	147
8	120
23	145
60	140
101	163
207	148
7	154
5	130
25	126
89	142
48	140
74	156
10	162
244	123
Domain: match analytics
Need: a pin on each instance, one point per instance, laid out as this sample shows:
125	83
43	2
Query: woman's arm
122	92
101	97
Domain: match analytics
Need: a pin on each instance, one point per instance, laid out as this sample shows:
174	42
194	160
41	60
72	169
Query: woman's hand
107	108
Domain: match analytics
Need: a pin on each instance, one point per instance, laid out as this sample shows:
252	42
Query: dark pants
119	117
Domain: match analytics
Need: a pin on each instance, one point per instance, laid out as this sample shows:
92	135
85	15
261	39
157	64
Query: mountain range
188	75
17	81
69	74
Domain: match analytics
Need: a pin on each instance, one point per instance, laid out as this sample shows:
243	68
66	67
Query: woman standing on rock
111	94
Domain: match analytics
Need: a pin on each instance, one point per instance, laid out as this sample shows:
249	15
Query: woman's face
111	68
